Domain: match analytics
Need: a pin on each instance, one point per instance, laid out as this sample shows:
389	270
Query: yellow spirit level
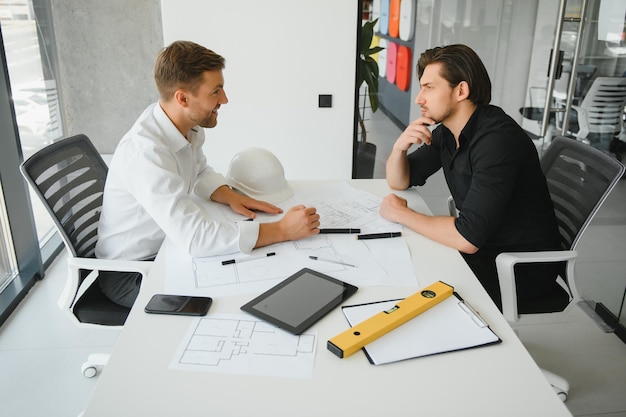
353	339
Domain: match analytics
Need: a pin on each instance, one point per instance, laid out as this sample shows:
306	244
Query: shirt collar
472	124
172	136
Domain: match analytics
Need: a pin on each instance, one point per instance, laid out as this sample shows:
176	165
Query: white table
498	380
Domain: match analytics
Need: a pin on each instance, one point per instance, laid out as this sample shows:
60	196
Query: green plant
368	69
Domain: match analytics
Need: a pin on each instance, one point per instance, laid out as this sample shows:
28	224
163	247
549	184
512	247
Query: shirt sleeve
154	178
207	180
424	162
495	164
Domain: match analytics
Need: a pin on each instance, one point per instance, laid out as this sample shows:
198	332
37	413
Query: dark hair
459	63
182	65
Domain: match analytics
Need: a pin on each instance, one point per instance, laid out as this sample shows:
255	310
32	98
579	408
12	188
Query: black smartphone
185	305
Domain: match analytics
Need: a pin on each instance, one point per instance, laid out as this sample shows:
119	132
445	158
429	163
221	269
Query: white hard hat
257	173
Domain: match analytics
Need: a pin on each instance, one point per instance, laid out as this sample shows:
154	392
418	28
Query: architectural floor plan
240	344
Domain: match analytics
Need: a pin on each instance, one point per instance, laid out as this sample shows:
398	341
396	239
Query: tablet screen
300	300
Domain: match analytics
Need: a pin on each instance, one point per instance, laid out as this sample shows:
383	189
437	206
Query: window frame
18	206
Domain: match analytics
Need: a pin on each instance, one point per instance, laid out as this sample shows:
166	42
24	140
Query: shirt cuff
248	235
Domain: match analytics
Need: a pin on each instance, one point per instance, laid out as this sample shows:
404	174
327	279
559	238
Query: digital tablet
300	300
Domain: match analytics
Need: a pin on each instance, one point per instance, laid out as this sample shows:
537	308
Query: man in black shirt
493	173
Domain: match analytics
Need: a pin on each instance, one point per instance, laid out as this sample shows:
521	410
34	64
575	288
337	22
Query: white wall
280	55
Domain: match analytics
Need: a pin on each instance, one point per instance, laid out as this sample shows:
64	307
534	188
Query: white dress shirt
149	194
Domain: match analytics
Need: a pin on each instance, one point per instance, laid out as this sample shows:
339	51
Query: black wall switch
325	100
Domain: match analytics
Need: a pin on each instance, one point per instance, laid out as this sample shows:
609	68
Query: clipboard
449	326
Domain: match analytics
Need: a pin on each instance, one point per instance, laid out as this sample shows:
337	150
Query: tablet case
403	71
299	301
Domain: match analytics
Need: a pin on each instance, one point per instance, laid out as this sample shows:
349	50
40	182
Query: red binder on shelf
403	71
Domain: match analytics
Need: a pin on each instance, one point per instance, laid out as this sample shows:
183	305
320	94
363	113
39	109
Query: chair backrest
68	176
579	178
604	104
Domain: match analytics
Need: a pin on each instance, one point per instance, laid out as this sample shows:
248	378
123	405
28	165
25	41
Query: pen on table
249	258
315	258
379	235
342	231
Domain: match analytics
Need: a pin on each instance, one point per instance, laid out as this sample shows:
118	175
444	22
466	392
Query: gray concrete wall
106	55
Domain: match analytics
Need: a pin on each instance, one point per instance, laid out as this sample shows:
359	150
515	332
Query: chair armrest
452	207
142	267
505	262
583	123
74	289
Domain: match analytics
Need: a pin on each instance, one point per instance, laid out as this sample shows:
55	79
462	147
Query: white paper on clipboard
449	326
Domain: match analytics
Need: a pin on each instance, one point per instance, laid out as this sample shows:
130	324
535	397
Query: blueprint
374	262
240	344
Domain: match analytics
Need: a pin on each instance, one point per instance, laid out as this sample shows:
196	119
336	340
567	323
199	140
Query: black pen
249	258
379	235
342	231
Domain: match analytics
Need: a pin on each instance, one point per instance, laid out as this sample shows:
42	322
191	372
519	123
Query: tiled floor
41	351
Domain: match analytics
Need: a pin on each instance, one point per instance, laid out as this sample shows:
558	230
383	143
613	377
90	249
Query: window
8	264
20	115
33	87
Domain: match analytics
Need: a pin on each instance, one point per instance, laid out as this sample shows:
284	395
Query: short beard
207	123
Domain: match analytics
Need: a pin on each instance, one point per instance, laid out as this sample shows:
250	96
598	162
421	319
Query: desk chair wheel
94	364
558	383
562	394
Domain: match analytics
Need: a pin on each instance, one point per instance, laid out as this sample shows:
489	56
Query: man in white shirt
159	173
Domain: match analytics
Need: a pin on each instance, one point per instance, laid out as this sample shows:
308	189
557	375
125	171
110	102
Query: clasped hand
416	133
299	221
392	207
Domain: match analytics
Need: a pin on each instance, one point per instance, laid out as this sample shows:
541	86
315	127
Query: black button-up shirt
496	181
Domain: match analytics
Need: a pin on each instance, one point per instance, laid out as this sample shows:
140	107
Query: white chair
579	178
68	176
601	111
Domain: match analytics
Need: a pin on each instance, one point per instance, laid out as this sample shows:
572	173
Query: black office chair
579	178
69	176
